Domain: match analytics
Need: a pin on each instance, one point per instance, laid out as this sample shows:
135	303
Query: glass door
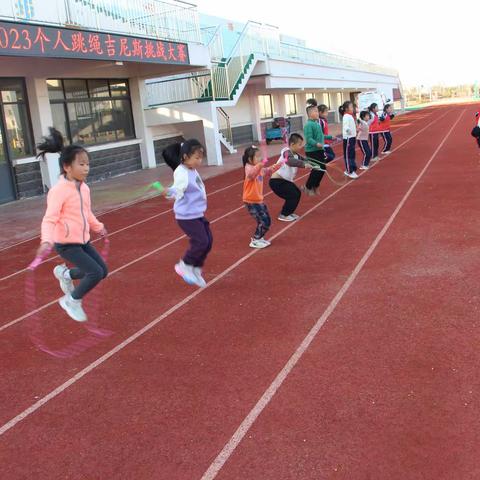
7	189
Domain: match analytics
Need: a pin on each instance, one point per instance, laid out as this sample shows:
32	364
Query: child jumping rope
363	131
374	126
67	224
253	194
190	205
314	148
323	112
349	137
282	181
384	128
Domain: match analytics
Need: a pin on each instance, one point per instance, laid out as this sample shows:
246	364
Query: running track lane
60	334
159	231
182	388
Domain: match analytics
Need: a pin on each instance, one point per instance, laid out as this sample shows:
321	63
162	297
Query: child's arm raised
253	171
180	183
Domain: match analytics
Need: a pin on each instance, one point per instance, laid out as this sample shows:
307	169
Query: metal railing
160	19
178	89
317	57
224	125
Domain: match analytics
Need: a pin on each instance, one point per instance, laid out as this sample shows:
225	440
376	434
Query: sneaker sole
285	220
258	247
185	279
62	304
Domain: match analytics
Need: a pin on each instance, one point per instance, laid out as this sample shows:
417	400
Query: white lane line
265	399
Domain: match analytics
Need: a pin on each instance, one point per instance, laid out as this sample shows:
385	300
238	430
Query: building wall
160	144
114	161
28	178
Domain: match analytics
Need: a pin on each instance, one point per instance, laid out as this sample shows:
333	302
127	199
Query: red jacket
324	125
384	123
374	126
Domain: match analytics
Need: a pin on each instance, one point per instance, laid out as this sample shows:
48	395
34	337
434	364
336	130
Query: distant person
314	148
476	128
384	128
323	112
373	109
364	122
349	130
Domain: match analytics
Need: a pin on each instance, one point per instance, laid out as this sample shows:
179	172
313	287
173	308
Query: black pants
374	144
289	192
201	240
349	154
387	141
478	141
316	176
89	266
367	152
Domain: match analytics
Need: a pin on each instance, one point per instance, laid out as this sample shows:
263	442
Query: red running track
386	389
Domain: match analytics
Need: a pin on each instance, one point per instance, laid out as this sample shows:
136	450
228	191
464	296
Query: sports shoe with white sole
295	216
257	243
66	284
266	242
73	308
354	175
388	152
308	191
198	275
186	272
288	218
364	167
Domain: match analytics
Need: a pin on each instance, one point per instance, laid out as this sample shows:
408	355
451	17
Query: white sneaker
288	218
66	284
354	175
266	242
307	191
198	275
186	272
73	308
295	216
364	167
257	243
375	159
387	152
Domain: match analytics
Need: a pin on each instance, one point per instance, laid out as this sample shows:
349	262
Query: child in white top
349	130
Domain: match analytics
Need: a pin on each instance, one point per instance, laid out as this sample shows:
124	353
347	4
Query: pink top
69	216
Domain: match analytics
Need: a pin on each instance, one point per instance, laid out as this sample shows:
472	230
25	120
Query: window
291	104
13	110
339	99
91	111
266	107
310	95
325	99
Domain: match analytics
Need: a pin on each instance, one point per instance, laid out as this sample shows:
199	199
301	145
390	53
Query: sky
428	42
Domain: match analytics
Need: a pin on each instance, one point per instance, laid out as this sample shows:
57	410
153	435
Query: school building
125	78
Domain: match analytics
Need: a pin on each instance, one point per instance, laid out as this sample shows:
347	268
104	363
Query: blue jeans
259	212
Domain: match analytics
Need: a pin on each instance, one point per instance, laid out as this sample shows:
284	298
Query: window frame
271	106
92	100
288	111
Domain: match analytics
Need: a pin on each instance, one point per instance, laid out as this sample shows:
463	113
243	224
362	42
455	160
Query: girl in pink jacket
67	224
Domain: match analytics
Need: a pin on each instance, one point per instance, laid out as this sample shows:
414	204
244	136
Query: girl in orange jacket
67	223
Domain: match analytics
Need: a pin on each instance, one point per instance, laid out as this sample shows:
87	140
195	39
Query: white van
365	99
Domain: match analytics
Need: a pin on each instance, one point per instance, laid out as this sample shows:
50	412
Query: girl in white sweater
349	139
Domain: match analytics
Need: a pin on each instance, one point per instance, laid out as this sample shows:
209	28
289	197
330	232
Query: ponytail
249	154
175	153
344	107
53	143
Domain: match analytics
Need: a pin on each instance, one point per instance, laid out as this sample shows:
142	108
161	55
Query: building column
255	110
212	135
142	131
41	115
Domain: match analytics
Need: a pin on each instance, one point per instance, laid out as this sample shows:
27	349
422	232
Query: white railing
211	36
317	57
163	19
177	89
